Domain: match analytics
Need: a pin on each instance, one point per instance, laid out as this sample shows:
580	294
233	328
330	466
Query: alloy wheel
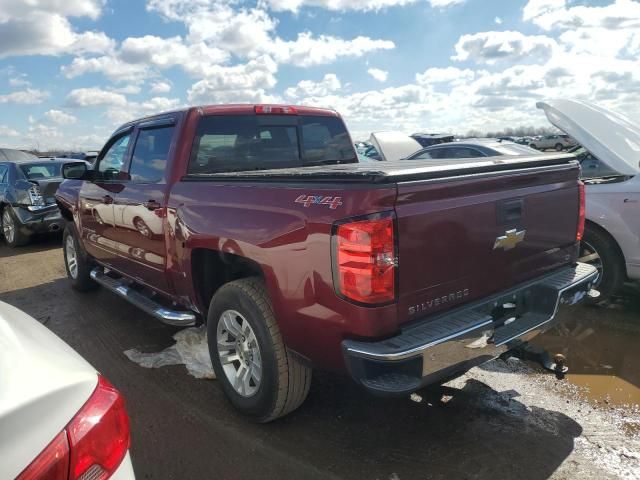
239	353
72	258
588	254
8	227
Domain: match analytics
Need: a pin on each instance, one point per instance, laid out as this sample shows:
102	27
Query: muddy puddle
602	346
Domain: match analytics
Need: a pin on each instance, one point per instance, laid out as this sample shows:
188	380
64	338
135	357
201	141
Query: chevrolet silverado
258	220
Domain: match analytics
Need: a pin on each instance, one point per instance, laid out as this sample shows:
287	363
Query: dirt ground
503	420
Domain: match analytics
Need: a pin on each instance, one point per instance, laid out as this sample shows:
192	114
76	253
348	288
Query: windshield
15	155
591	166
35	171
515	149
252	142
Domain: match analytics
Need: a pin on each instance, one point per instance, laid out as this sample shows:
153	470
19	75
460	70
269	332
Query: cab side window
4	170
150	154
110	165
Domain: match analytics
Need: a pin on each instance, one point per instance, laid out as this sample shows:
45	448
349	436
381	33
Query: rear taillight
275	110
99	435
364	256
52	463
93	444
581	215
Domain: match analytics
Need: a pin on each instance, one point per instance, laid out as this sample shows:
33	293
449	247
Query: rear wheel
259	375
77	263
559	147
533	145
599	250
11	229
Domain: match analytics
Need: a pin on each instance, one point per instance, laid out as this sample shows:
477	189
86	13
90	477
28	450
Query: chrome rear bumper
445	345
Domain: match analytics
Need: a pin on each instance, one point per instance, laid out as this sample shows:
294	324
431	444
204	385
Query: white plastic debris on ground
190	350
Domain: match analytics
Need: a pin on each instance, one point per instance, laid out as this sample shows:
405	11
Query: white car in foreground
59	419
611	173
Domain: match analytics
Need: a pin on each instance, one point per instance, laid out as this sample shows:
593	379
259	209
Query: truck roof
234	109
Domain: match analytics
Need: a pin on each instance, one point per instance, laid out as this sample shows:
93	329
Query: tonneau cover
391	172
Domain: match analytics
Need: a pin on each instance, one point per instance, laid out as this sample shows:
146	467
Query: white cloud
71	8
133	110
41	27
445	3
19	81
379	75
112	67
30	96
448	75
8	132
551	14
239	83
360	5
161	86
252	32
308	50
128	89
512	46
498	21
92	97
59	117
307	88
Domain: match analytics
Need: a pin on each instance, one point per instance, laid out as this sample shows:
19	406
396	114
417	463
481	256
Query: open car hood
394	146
609	136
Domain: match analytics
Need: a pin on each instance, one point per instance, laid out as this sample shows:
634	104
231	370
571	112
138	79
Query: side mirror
75	171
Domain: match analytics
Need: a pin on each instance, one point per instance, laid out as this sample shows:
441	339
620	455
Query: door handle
107	199
152	205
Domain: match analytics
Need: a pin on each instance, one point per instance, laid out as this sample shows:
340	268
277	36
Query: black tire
285	378
533	145
82	280
559	147
17	238
612	268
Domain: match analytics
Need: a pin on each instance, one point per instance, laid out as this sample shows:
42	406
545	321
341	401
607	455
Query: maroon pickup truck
259	221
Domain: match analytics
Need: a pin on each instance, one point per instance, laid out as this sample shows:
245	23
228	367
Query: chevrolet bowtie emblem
509	240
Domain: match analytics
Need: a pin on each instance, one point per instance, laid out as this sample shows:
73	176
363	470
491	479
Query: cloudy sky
72	70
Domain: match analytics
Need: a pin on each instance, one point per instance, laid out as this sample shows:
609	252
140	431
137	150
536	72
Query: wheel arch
613	242
211	269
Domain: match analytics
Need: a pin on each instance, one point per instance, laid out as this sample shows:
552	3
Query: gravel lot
504	420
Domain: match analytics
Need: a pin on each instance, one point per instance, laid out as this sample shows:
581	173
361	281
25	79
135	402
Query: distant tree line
512	132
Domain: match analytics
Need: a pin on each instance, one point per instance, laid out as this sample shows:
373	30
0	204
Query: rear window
34	171
233	143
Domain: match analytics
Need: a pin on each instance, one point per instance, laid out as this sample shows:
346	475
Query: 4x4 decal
307	200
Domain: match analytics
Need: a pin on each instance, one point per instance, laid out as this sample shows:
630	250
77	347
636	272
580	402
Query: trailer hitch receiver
557	364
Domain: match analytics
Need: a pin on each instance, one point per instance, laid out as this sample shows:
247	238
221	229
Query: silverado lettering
194	216
435	302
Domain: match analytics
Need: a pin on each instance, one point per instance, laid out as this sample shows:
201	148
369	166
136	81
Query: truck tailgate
463	238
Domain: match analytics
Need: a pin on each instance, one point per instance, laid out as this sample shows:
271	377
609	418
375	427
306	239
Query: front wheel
11	229
77	263
559	147
259	375
599	250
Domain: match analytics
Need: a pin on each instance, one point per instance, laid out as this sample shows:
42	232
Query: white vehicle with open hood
59	419
610	159
392	146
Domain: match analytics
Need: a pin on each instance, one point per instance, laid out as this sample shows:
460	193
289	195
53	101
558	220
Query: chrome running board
177	318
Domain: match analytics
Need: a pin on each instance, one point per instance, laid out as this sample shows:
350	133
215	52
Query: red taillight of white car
92	445
582	210
365	260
